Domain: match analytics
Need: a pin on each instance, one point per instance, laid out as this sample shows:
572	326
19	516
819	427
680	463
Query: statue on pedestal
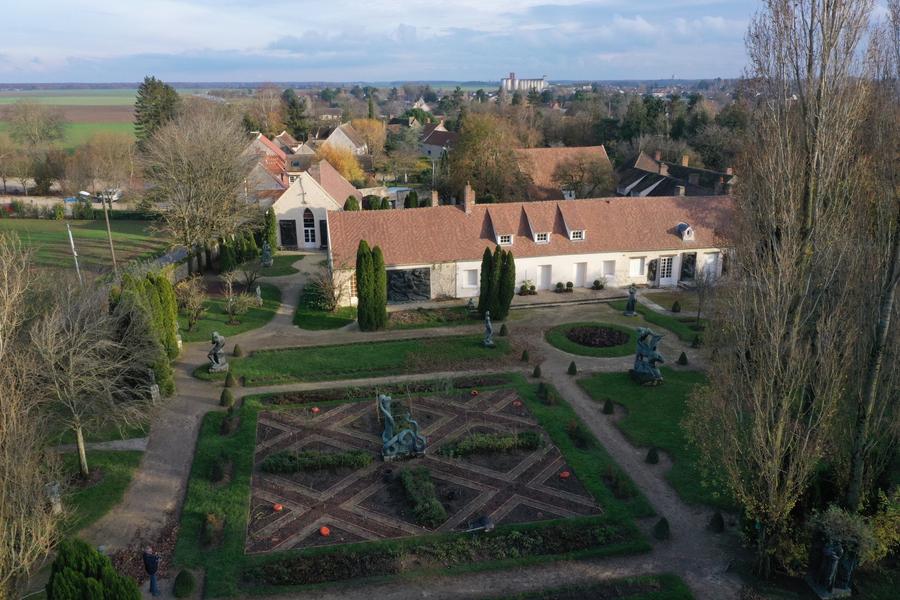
632	301
265	258
406	442
217	362
645	371
488	331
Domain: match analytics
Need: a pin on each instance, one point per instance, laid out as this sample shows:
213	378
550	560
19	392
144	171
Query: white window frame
642	261
466	283
604	265
577	235
505	239
542	237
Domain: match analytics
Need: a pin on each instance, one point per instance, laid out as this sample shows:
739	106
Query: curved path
158	486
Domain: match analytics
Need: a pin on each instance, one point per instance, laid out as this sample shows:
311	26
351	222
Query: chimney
435	198
663	169
679	190
685	160
720	186
729	171
468	199
657	156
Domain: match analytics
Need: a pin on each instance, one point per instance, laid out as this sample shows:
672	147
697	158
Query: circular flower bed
596	336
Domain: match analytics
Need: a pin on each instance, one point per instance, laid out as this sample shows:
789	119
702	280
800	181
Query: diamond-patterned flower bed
369	504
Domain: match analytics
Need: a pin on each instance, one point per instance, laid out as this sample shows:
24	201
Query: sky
105	41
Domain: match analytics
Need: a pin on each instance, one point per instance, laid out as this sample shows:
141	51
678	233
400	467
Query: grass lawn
282	264
654	419
90	503
225	563
557	338
646	587
107	434
216	319
688	300
423	318
76	134
50	242
683	327
355	361
317	320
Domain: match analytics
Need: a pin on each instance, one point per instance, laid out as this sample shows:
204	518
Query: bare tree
7	153
587	176
778	332
192	299
28	530
705	281
197	167
94	363
236	303
34	125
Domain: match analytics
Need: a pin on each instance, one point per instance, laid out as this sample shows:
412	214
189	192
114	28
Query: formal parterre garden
290	490
372	359
592	339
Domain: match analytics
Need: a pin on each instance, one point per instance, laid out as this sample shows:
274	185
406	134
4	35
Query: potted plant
559	287
599	284
570	287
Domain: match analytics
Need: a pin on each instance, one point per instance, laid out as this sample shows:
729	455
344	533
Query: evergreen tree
168	315
365	287
228	260
496	269
371	107
507	286
352	203
484	290
271	230
295	118
79	571
156	103
411	200
379	280
252	248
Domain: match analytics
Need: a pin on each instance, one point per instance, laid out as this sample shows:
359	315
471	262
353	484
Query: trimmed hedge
292	462
184	584
80	571
487	443
427	509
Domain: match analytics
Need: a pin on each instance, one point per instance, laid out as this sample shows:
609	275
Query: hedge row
487	443
293	462
427	509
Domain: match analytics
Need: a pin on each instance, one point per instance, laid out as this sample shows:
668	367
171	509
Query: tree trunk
873	371
82	452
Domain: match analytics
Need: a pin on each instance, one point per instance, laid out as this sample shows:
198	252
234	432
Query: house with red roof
541	166
435	252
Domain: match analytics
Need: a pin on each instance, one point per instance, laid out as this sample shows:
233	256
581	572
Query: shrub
525	356
570	287
504	330
682	359
599	284
80	571
230	381
59	211
238	351
537	371
578	434
226	399
661	529
427	509
676	307
211	530
293	462
717	522
523	290
488	443
217	471
608	407
184	584
652	457
559	287
572	368
696	342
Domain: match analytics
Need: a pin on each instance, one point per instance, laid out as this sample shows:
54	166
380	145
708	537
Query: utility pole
74	254
104	196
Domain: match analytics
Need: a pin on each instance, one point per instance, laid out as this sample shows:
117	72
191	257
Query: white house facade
301	214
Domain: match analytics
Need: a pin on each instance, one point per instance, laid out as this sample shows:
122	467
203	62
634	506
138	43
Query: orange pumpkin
565	475
324	531
277	507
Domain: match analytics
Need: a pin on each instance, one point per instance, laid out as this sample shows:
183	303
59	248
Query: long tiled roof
541	163
448	234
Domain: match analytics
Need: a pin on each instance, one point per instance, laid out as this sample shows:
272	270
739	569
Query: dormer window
685	231
577	235
568	194
542	238
505	240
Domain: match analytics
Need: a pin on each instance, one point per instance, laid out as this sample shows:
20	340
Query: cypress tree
271	231
364	286
379	281
411	200
496	270
484	291
252	247
227	257
168	312
507	286
352	203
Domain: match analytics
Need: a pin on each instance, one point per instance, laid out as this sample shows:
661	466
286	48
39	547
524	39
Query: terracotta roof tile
447	234
540	164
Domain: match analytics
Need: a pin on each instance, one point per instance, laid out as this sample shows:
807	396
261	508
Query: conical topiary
717	523
652	456
238	351
230	381
226	399
676	307
537	371
608	407
504	330
695	343
184	584
661	529
572	368
524	355
682	360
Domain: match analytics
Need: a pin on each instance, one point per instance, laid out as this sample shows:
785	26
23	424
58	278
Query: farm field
50	242
79	133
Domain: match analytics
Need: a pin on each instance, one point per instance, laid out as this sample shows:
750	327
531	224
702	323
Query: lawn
317	320
645	587
90	503
683	327
216	319
50	242
282	264
106	434
224	564
556	336
654	416
687	300
76	134
81	97
355	361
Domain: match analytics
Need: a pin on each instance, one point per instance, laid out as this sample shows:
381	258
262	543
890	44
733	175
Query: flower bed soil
597	337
